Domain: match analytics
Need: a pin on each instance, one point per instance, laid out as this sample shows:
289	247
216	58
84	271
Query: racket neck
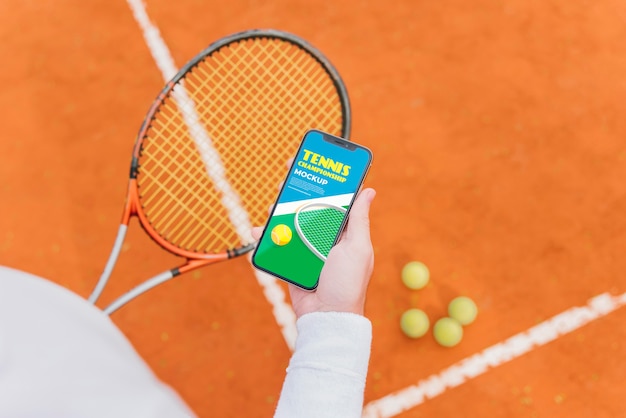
132	197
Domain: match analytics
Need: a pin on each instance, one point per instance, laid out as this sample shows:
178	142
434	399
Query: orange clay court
499	141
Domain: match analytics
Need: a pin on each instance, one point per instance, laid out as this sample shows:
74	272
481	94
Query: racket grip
115	252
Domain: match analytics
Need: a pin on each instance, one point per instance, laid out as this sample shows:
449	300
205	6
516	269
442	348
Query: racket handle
140	289
104	278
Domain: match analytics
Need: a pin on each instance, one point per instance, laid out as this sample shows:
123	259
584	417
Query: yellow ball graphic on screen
281	234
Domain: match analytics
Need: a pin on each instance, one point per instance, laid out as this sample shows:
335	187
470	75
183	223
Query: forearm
327	372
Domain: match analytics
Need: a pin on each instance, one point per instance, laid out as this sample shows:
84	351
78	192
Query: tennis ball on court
414	323
448	332
463	309
415	275
281	234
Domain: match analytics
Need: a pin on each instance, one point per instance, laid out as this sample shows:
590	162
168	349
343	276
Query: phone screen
311	208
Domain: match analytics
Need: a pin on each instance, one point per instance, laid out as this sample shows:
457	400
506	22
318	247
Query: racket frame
132	207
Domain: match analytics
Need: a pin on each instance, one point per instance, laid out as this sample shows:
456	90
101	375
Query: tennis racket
318	225
213	147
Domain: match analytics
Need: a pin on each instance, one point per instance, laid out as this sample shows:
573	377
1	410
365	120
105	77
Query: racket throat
130	208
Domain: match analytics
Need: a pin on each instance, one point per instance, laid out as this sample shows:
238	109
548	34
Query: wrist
356	309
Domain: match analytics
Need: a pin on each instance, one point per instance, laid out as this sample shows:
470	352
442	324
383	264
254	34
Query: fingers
358	227
257	231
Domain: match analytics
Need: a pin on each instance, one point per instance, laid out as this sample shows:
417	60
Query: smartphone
312	208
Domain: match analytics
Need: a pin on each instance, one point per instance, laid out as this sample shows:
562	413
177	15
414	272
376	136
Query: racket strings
196	208
320	227
179	197
264	112
222	136
182	217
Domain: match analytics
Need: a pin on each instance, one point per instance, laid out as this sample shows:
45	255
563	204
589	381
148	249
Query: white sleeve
62	357
326	374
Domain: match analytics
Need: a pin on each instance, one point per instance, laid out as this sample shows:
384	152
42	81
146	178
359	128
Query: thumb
256	232
358	227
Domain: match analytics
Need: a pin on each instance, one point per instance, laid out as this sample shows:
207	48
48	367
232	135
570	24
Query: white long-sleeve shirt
62	357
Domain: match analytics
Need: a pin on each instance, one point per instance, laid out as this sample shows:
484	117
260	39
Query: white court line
283	313
494	356
434	385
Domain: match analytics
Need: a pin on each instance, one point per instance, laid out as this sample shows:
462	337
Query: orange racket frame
133	207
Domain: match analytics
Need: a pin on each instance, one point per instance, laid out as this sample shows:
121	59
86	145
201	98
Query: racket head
318	225
213	146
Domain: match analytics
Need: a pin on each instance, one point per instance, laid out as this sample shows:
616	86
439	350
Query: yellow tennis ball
448	332
415	275
414	323
463	309
281	234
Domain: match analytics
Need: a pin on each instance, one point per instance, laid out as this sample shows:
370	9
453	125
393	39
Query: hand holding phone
312	209
345	276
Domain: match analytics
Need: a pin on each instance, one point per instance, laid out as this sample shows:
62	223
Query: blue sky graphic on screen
310	209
